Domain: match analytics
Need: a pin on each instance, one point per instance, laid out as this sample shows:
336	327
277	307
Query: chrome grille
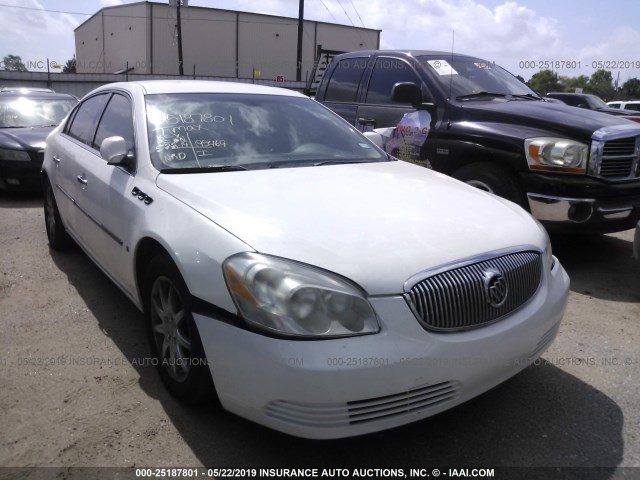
458	299
620	157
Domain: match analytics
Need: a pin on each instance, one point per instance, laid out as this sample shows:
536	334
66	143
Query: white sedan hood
377	223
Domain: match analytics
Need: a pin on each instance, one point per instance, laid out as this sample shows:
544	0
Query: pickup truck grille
620	158
461	298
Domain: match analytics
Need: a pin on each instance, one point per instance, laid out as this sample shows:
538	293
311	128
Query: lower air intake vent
364	411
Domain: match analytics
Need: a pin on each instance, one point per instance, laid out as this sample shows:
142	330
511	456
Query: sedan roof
200	86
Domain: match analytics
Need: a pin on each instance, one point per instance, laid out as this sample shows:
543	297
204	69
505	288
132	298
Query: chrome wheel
170	329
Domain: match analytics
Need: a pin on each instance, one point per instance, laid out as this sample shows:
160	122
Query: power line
325	6
185	19
345	12
358	14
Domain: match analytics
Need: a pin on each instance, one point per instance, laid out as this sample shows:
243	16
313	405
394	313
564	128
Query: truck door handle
56	158
367	121
81	179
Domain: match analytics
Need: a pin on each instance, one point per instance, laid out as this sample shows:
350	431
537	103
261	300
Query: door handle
81	179
367	121
56	158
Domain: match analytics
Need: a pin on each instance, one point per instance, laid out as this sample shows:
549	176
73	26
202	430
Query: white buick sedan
289	266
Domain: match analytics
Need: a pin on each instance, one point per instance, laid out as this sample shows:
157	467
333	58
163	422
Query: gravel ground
74	389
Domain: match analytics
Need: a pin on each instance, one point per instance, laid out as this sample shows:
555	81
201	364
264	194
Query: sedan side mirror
409	92
114	151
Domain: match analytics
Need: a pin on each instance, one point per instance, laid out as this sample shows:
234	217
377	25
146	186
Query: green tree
601	84
13	63
545	81
520	78
70	66
570	84
630	89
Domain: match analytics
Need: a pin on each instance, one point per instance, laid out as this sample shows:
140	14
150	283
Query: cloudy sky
579	32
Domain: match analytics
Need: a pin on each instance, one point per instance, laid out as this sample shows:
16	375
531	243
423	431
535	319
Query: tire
175	344
58	237
493	179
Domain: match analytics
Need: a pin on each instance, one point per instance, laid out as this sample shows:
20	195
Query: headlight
14	155
288	298
556	154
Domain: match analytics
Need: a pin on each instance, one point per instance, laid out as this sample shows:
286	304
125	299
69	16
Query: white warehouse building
223	43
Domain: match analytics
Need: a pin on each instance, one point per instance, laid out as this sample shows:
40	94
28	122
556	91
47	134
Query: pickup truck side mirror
409	92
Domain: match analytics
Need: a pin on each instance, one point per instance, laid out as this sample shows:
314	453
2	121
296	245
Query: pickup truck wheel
176	346
492	179
56	234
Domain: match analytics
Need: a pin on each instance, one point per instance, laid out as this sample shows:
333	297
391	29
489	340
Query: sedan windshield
206	132
17	112
474	79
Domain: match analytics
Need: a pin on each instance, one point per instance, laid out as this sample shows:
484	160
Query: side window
84	122
116	121
343	85
614	105
386	73
573	101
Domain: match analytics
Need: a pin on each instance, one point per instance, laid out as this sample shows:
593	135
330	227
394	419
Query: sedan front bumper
20	175
344	387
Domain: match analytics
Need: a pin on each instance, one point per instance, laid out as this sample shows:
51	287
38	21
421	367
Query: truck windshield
475	79
595	102
216	132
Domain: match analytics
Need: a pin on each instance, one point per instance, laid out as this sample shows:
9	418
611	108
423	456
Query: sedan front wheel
173	335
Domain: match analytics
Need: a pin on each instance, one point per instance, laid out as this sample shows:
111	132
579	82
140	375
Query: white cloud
36	35
509	33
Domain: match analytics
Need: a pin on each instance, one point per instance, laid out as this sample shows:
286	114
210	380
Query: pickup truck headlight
556	154
14	155
291	299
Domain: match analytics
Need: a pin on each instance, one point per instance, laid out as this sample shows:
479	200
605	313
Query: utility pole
299	56
179	26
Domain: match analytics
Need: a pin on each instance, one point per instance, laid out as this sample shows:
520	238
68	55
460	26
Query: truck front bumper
582	205
584	213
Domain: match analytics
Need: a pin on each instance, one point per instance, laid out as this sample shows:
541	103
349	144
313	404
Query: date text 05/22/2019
578	64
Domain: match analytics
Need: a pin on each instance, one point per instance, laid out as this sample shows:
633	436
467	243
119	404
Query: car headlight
288	298
556	154
14	155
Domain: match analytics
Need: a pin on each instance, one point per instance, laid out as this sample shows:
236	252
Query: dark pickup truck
573	169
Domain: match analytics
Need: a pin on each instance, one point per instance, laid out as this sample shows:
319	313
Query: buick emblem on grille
496	288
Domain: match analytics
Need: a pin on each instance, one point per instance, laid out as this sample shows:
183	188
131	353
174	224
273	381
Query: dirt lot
74	389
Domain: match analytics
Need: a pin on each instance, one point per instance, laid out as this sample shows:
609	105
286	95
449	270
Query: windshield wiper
528	96
218	168
339	162
480	95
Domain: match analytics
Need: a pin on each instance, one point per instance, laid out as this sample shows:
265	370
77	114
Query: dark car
575	170
26	118
591	102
